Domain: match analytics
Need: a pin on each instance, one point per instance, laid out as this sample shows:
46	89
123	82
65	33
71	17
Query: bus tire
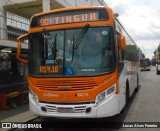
127	98
137	88
127	92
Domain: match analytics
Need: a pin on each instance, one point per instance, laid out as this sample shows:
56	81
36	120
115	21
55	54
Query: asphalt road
144	106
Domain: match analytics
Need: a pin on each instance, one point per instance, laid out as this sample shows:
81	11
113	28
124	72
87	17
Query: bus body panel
122	88
130	70
104	82
109	107
130	75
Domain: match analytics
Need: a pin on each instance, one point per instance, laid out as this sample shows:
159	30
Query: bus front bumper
145	68
109	107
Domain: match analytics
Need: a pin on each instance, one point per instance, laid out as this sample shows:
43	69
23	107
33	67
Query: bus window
93	56
120	54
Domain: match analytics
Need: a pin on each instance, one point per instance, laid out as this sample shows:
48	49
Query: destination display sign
73	16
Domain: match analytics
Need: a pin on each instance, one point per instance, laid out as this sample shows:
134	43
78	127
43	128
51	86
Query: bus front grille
77	109
65	85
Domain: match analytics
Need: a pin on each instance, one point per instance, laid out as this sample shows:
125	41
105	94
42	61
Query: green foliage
159	48
131	53
143	56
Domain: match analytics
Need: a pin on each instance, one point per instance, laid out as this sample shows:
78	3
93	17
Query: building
27	8
157	56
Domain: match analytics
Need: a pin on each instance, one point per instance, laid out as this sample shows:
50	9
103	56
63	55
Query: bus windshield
60	53
144	62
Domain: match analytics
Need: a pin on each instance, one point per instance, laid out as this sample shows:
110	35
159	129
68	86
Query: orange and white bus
145	64
81	63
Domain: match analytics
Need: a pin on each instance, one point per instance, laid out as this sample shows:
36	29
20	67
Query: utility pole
46	5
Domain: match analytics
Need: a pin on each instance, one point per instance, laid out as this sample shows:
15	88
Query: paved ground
146	104
13	112
20	114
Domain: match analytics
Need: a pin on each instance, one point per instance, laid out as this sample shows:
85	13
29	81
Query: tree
158	48
153	61
158	52
131	53
143	56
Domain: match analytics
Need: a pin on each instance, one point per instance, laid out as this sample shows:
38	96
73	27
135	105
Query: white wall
10	2
69	3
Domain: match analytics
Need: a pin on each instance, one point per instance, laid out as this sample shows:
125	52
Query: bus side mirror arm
19	57
122	43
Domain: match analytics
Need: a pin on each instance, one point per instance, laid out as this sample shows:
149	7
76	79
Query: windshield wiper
81	36
54	48
73	49
52	43
48	37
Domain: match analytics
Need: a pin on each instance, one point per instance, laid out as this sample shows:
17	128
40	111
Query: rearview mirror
122	44
19	57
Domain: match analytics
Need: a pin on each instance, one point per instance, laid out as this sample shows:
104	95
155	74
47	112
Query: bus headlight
33	95
110	90
105	95
100	98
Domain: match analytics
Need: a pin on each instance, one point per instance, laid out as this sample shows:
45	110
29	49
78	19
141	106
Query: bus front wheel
137	88
127	93
126	98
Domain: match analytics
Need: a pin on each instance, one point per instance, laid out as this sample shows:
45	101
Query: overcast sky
141	19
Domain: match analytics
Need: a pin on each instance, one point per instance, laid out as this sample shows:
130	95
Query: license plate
65	110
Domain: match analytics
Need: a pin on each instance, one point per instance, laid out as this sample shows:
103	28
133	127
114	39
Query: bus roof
144	58
71	15
69	9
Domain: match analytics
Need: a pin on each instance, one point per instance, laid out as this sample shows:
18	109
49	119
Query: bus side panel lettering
84	17
45	21
57	20
76	18
62	19
42	22
43	69
54	69
68	19
93	16
48	69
